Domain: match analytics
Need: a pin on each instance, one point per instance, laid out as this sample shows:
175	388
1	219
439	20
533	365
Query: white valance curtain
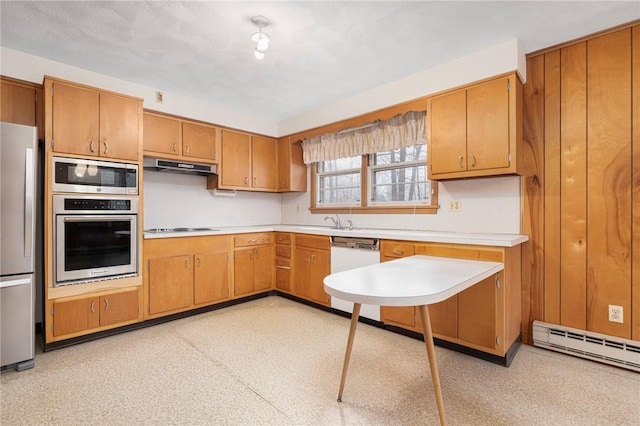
400	131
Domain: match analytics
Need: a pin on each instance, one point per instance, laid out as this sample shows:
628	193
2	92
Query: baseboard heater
586	344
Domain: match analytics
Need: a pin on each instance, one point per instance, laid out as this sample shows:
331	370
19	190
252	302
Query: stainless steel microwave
94	177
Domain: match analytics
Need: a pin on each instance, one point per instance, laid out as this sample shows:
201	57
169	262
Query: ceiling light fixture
261	39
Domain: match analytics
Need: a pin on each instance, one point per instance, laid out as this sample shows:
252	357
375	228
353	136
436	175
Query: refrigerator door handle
13	283
28	202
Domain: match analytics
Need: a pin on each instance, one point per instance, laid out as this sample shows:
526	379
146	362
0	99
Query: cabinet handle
175	147
246	180
198	261
313	258
93	306
256	253
187	148
255	181
186	263
398	252
307	258
473	161
460	161
106	303
106	147
91	144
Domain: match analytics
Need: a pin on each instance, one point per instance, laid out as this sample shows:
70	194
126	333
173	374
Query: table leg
431	354
347	355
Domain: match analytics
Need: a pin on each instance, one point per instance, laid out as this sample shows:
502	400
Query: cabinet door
264	163
161	134
75	316
284	165
283	279
198	141
75	115
236	159
18	104
119	127
477	313
262	268
119	307
448	131
170	283
211	277
320	267
243	272
404	316
488	125
302	273
444	317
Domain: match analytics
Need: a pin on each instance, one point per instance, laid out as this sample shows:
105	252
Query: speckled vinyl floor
274	361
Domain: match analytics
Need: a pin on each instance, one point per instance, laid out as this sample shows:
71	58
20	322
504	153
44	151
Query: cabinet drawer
283	238
392	249
312	241
252	239
283	263
283	251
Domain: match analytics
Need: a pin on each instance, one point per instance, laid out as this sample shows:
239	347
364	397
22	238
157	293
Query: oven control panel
97	204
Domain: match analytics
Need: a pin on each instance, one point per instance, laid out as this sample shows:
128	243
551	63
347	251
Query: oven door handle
84	218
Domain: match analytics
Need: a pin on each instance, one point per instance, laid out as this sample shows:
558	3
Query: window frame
365	207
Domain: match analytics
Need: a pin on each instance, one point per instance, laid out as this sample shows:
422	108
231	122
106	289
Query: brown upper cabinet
476	130
171	137
90	122
22	103
248	162
292	172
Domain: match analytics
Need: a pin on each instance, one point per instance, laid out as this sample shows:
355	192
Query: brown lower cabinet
252	263
80	315
185	273
485	317
312	262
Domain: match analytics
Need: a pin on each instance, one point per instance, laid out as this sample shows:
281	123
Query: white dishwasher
350	253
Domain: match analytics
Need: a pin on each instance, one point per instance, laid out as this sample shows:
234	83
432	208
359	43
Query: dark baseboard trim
148	323
504	361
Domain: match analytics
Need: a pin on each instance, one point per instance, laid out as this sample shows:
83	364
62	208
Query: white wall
500	59
178	200
33	68
488	205
171	200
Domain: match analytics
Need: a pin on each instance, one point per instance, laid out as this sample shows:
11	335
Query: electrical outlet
159	97
615	313
455	205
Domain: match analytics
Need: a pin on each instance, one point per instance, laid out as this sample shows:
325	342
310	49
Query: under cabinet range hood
177	166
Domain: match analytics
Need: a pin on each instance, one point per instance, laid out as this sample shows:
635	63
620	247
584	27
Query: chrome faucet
336	221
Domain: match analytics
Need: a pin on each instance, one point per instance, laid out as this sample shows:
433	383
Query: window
395	179
378	166
339	181
399	176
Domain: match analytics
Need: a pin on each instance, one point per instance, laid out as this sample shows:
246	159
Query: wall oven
95	238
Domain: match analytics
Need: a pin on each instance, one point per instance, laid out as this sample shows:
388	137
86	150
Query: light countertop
483	239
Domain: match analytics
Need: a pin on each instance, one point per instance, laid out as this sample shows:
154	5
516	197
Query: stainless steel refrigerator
18	145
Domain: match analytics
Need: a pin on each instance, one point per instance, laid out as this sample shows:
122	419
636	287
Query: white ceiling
320	52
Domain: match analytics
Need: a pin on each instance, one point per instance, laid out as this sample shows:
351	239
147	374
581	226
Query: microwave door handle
28	202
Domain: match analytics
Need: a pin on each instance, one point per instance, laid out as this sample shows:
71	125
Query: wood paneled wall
581	185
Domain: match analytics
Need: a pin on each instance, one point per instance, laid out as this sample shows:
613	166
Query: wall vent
586	344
